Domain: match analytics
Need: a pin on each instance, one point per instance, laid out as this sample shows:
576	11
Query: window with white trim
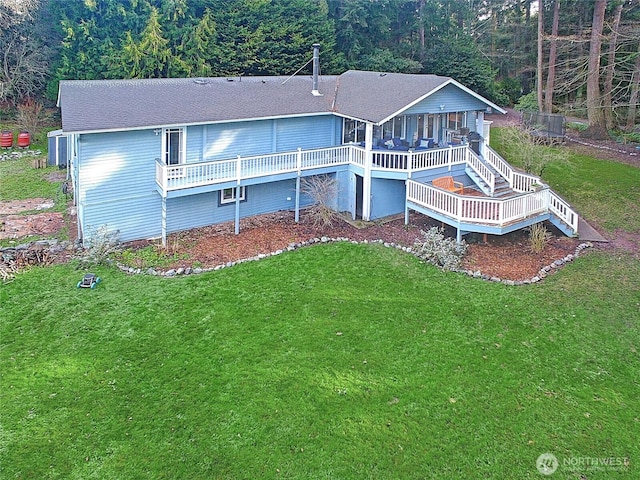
228	195
173	146
353	131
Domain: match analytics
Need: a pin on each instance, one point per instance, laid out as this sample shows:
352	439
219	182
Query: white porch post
238	176
406	202
366	181
164	221
299	166
297	208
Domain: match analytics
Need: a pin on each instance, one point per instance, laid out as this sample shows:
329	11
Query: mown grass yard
334	361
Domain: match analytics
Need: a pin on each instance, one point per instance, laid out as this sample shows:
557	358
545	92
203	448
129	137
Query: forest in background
578	57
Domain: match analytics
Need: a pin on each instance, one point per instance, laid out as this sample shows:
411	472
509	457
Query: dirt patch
17	206
20	226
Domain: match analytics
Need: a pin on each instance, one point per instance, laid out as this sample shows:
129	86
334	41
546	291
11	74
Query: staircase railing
475	163
563	210
519	182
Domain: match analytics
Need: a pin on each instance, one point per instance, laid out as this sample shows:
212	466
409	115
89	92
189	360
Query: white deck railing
175	177
563	210
490	211
519	182
478	166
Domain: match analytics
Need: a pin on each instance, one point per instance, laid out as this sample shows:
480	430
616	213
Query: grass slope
334	361
604	192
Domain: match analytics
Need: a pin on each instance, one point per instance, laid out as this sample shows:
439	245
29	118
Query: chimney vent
316	68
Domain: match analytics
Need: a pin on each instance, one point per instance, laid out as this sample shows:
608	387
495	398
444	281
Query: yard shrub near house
436	248
539	236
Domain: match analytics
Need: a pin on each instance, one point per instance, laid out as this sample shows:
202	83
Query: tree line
503	49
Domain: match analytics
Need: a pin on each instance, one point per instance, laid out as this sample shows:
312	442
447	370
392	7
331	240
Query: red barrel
24	139
6	139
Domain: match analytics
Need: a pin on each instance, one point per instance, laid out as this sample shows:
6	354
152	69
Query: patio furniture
449	184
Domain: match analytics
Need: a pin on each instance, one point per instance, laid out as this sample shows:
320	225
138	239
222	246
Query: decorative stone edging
15	154
544	271
54	246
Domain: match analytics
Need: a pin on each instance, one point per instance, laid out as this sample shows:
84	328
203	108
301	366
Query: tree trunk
597	127
611	59
421	31
551	74
633	99
540	56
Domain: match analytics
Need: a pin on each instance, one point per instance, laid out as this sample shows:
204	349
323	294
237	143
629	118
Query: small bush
527	103
539	236
439	250
323	190
102	243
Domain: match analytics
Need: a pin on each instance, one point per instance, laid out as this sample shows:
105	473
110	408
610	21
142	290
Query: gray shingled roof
375	96
89	105
97	105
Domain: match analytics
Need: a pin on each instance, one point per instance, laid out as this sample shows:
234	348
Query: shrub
102	243
528	103
439	250
539	236
323	190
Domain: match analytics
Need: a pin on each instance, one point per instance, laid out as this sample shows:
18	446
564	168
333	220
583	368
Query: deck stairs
558	213
501	188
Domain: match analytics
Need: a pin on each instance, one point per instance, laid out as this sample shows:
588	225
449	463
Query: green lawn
603	192
334	361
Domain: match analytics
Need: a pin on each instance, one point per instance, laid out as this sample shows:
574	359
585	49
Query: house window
173	146
394	128
456	120
425	126
228	195
353	131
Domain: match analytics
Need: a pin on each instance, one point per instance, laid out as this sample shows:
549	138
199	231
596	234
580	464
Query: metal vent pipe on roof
316	68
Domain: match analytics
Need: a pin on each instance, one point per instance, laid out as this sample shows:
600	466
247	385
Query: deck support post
238	180
366	180
164	221
237	216
458	235
297	208
406	202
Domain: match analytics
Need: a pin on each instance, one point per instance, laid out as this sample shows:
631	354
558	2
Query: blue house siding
387	197
116	176
346	191
184	213
453	99
228	140
306	133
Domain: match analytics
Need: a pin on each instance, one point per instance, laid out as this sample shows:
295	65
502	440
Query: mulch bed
506	257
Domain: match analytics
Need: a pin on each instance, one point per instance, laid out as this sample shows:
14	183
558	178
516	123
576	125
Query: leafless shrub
539	236
529	151
323	190
102	243
32	116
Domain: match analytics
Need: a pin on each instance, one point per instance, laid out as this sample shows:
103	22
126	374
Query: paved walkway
587	233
